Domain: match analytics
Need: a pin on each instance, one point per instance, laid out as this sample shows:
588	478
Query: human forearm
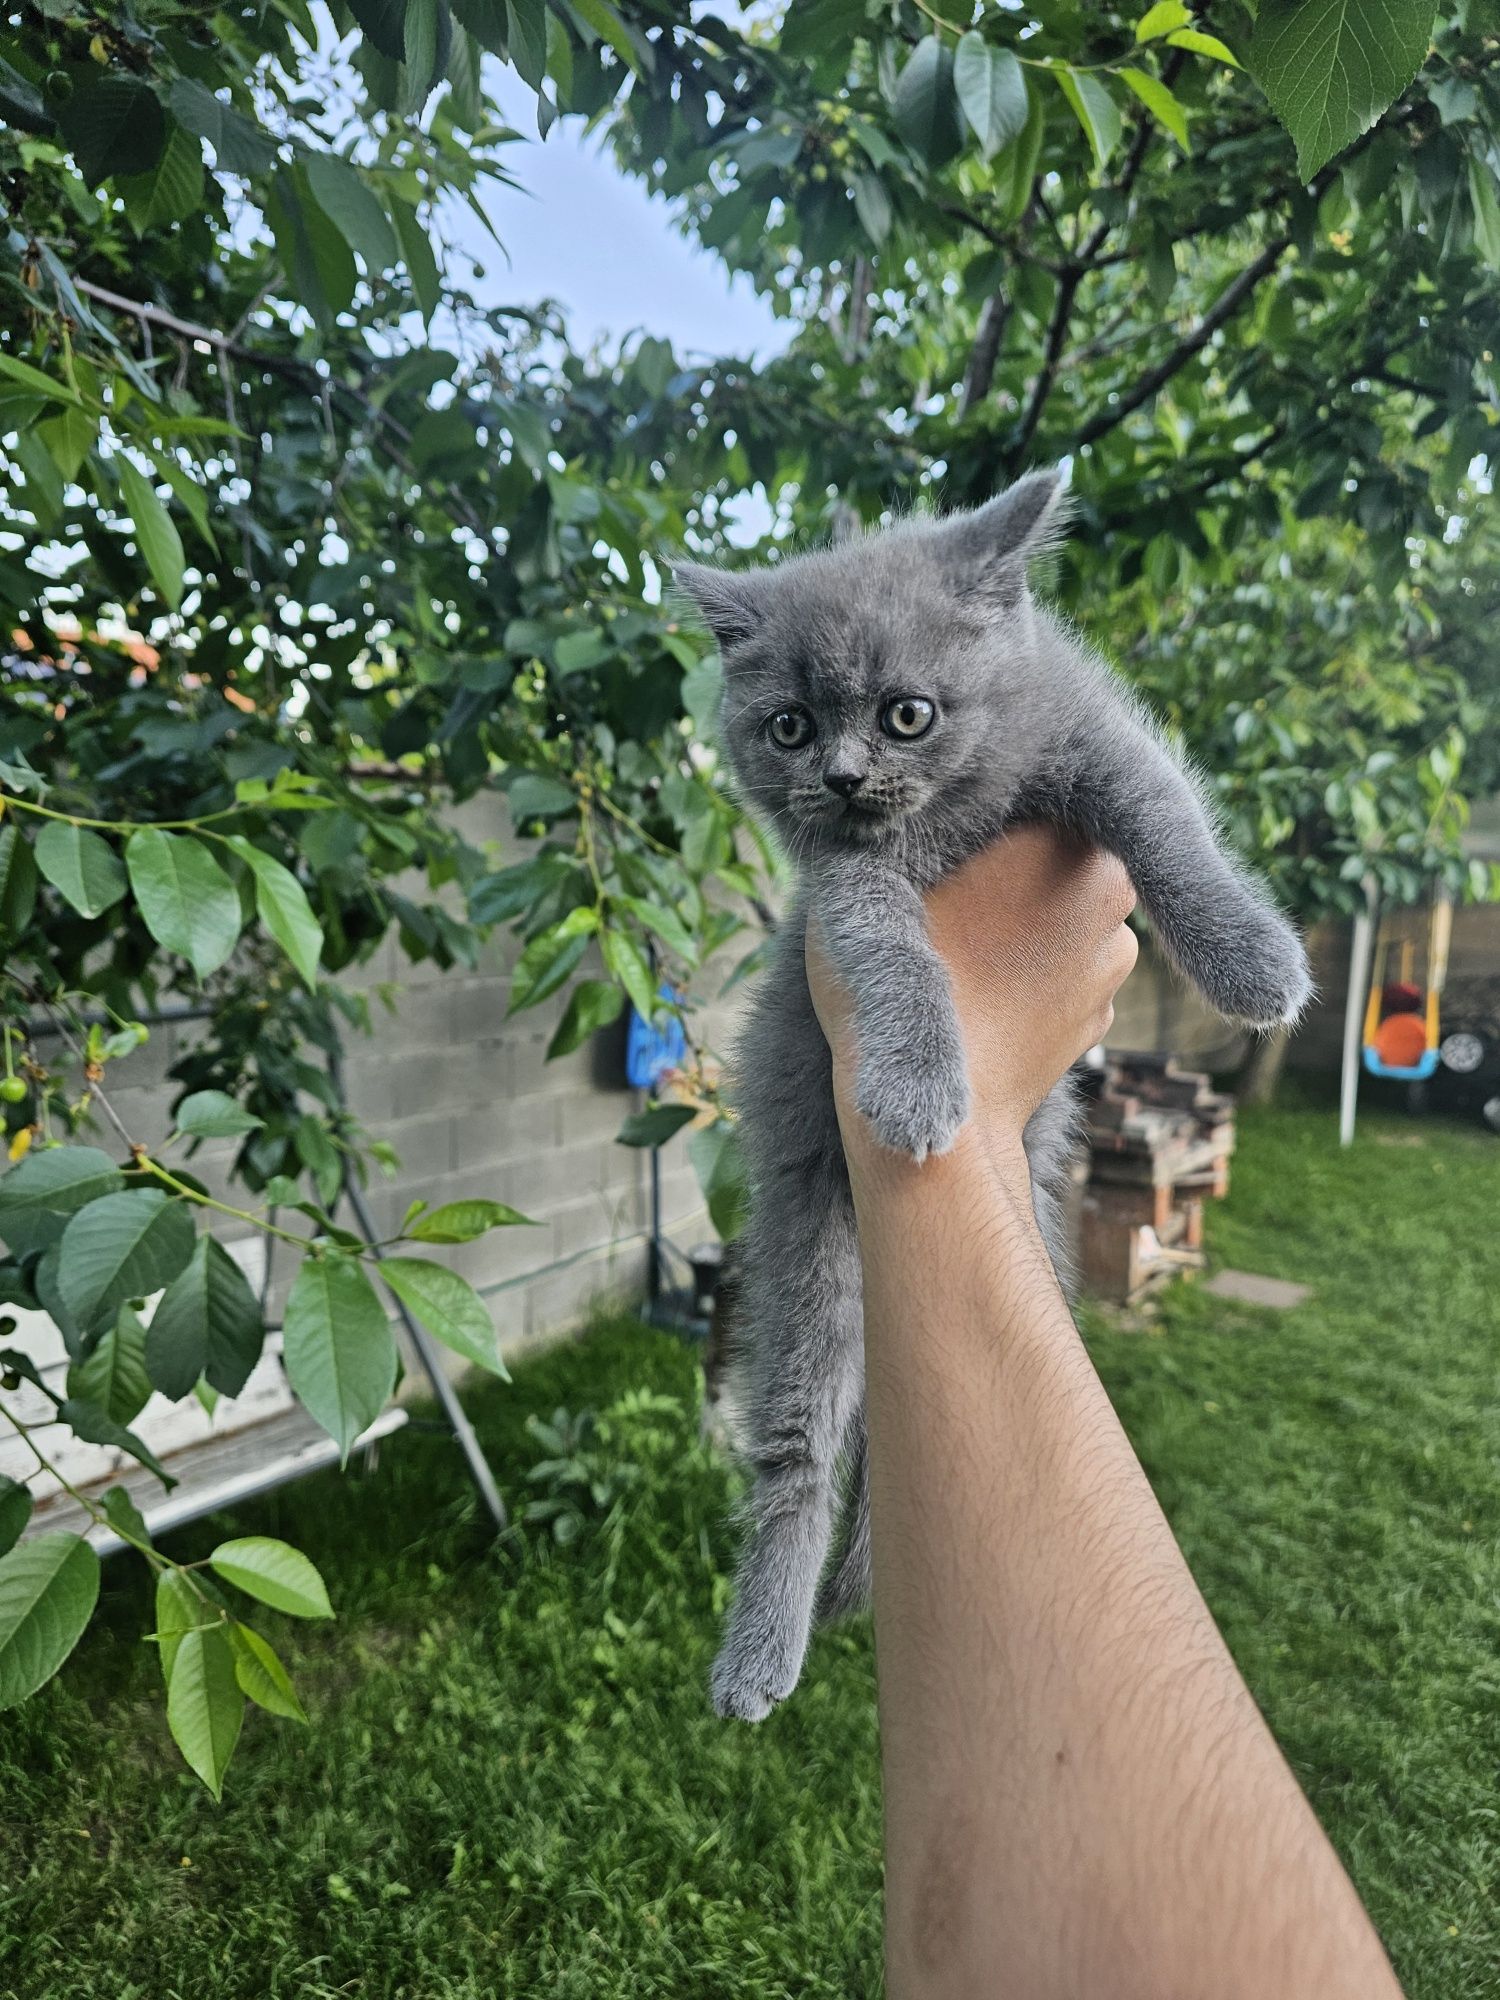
1081	1797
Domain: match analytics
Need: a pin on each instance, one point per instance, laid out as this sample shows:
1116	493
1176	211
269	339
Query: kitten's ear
732	603
988	549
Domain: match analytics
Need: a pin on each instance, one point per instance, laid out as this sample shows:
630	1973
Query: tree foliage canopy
307	539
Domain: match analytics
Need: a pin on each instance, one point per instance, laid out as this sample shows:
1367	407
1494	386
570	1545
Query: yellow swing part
1401	1041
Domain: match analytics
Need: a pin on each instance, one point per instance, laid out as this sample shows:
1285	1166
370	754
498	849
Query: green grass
512	1787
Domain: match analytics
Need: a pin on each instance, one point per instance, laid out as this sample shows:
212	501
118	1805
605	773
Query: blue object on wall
653	1047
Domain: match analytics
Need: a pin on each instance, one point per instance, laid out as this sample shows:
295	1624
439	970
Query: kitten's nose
845	783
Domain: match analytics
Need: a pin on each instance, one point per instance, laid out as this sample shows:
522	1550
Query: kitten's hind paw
754	1671
914	1106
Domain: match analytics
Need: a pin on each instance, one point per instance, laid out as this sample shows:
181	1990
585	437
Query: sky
584	234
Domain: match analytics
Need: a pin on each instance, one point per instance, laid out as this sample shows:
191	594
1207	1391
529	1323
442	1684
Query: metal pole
653	1246
1354	1009
427	1352
442	1388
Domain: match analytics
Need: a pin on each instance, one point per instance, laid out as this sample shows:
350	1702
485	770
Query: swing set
1402	1017
1402	1022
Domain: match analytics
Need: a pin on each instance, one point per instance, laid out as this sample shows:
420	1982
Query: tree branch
980	372
1223	309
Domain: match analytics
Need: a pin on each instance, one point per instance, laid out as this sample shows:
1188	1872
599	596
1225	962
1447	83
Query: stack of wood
1159	1141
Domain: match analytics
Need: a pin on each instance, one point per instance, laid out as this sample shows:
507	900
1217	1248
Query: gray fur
1029	725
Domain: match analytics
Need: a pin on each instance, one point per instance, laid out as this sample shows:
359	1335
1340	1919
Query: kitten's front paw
914	1104
754	1671
1264	978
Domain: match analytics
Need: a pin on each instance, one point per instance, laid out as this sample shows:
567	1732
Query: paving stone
1248	1288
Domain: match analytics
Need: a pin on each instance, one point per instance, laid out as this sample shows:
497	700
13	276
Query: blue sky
612	256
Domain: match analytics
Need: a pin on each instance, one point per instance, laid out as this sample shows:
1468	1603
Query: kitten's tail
846	1587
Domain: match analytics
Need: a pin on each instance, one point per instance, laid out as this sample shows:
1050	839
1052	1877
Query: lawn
512	1786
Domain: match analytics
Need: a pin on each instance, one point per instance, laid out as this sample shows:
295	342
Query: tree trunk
1262	1072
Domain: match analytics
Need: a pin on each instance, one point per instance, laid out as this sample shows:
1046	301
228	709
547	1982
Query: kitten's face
849	722
866	683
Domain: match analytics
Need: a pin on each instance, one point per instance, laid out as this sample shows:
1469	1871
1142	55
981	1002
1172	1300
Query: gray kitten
891	706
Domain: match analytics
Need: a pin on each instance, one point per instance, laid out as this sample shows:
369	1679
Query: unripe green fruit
12	1089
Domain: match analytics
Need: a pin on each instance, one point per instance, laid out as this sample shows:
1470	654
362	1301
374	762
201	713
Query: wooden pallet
1159	1145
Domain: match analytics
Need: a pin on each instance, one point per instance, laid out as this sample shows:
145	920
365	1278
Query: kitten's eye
908	716
792	728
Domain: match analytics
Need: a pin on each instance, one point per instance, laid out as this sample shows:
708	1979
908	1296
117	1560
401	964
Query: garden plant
307	542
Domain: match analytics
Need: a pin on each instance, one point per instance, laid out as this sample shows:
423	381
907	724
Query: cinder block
370	1084
479	1011
423	1020
563	1298
425	1145
530	1070
590	1225
593	1114
502	1256
503	1129
430	1081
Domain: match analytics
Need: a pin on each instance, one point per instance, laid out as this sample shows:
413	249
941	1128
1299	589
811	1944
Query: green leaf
601	20
340	1356
991	89
114	126
665	924
312	249
1330	68
720	1166
69	437
188	902
48	1589
38	1196
82	866
1203	45
526	36
171	188
533	795
383	23
15	1512
1162	19
655	1126
240	147
416	255
925	108
121	1247
592	1005
627	962
873	207
155	531
274	1573
113	1377
1095	110
448	1306
194	499
205	1704
354	210
1159	101
96	1426
17	881
127	1519
33	379
462	1221
550	959
206	1323
213	1114
284	909
262	1676
1486	207
179	1608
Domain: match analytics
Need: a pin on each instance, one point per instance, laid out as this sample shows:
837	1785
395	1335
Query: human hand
1033	935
